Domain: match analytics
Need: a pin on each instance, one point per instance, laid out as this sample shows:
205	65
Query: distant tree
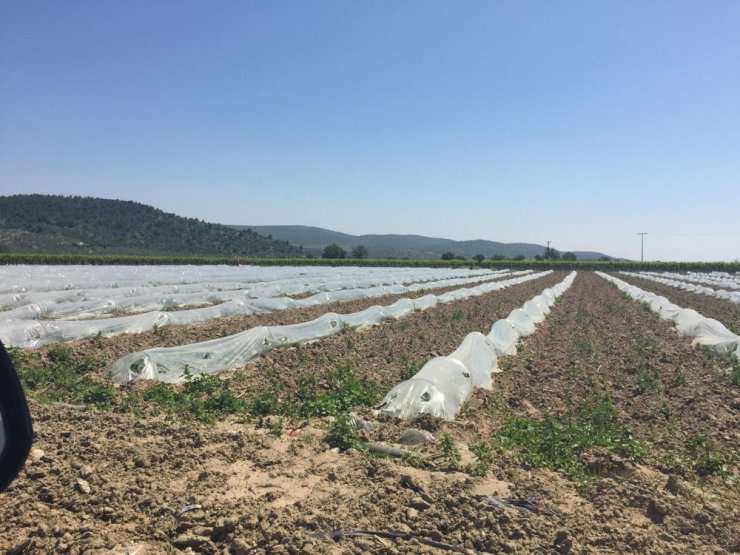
519	257
449	255
569	256
604	259
360	251
551	254
333	250
479	258
539	257
498	257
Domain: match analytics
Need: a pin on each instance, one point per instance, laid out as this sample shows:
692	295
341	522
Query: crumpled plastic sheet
35	333
688	322
445	383
731	296
210	357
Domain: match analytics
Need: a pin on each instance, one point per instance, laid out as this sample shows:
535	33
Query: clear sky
582	123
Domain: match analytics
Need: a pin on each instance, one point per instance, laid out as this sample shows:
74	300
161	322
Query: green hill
85	225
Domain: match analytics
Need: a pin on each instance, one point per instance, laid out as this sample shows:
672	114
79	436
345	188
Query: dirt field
606	433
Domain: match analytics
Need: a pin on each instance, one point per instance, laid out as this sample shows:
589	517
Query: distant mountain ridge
403	246
85	225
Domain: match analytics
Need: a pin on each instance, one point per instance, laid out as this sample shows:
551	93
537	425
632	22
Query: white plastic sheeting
137	296
21	279
30	333
721	279
444	383
217	355
732	296
688	322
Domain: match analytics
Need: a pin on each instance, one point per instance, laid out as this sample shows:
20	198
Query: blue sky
582	123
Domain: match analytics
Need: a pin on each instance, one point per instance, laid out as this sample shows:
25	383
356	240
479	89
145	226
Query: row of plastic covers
721	279
31	278
688	322
445	383
73	299
173	364
732	296
28	333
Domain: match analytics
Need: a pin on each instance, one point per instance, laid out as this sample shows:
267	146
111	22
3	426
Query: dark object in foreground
519	504
16	432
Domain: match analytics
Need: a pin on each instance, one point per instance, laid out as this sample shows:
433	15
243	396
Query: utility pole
642	245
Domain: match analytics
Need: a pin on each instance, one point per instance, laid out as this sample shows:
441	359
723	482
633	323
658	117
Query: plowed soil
101	482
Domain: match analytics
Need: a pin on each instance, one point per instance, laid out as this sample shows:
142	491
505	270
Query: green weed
707	459
450	453
558	442
735	371
328	394
409	369
484	457
679	377
201	398
584	346
65	377
343	435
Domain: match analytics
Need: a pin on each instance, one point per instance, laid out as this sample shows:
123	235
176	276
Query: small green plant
450	453
409	368
707	459
662	411
647	379
582	314
483	454
735	371
343	435
584	346
679	376
505	364
267	401
276	429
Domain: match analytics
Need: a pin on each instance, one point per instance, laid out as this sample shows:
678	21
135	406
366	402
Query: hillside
57	224
403	246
